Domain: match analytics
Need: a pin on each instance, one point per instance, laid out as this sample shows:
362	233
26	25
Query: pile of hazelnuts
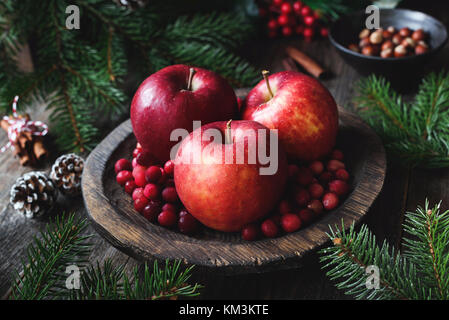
390	43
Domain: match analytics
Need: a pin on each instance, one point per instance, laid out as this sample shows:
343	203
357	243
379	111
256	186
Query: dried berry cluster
287	19
390	43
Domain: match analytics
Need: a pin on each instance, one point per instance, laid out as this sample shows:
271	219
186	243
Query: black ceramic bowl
346	30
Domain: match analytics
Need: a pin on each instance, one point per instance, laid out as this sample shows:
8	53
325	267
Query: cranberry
286	8
164	176
297	6
188	224
169	167
290	222
306	11
130	185
134	163
122	164
272	24
306	215
342	174
140	203
305	176
334	165
166	218
316	190
283	20
151	191
324	32
316	167
278	2
330	201
337	155
152	210
170	207
139	176
299	29
136	152
316	206
169	194
153	174
325	177
124	176
309	20
269	228
137	193
308	33
302	197
284	207
287	31
250	232
339	187
292	171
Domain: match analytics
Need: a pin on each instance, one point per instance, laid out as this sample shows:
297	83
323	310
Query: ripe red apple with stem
300	107
221	191
173	98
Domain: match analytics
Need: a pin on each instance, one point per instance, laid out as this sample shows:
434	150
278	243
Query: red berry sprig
154	194
289	18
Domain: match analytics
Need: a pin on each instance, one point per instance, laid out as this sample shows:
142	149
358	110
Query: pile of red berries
154	194
288	18
313	188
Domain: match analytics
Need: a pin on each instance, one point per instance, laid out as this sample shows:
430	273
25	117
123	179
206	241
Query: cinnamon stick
306	62
289	64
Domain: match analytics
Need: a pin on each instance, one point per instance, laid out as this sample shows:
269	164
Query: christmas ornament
25	136
66	173
33	194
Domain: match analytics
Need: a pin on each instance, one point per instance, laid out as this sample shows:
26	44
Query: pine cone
33	194
66	173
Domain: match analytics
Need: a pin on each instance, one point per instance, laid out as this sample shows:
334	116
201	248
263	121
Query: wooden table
403	190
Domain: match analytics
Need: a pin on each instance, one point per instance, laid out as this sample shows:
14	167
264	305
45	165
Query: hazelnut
387	34
400	51
368	50
364	42
391	29
421	49
397	39
364	33
354	47
405	32
418	35
423	43
376	37
387	53
408	42
387	45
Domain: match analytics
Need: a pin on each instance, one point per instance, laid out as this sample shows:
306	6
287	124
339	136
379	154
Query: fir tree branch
417	133
61	245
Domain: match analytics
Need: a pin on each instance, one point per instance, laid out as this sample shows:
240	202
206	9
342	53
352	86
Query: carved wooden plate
112	213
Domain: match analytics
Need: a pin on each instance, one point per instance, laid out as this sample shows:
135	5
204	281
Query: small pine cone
33	194
66	173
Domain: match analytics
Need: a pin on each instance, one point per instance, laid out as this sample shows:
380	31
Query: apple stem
189	82
228	134
265	76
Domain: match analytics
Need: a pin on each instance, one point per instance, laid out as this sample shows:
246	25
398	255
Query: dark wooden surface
403	190
113	215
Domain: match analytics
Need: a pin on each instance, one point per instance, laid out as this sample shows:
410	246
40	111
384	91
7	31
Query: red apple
172	98
300	107
225	193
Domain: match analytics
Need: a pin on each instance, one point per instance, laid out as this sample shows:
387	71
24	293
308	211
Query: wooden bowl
112	214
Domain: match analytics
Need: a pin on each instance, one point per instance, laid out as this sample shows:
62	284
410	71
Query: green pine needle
418	132
80	73
420	272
